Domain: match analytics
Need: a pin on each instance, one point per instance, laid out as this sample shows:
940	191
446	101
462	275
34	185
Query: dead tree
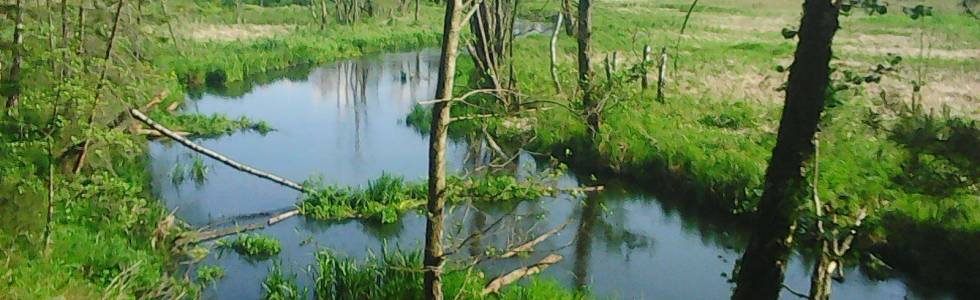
18	59
554	54
566	10
493	30
456	16
106	62
585	72
762	267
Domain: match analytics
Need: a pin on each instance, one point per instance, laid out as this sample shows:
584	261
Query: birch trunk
14	78
434	258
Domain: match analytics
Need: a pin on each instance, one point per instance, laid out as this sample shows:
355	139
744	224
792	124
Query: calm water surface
344	122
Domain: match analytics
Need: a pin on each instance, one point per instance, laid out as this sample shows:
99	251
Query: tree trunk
764	262
566	9
106	60
170	25
585	65
437	146
416	10
645	80
822	271
662	74
554	54
14	78
81	29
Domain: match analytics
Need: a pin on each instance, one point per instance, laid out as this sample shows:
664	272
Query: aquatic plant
397	274
252	245
386	197
280	286
208	274
209	125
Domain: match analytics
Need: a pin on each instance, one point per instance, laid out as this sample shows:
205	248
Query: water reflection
344	122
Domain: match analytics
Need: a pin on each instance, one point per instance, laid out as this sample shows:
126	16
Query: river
344	121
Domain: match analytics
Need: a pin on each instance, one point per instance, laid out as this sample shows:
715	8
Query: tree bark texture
763	265
434	258
585	72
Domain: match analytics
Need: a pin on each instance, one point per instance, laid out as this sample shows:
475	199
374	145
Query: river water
344	122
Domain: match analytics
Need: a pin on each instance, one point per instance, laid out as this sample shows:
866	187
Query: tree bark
554	54
434	258
98	87
18	59
81	29
763	265
215	155
585	72
645	80
566	9
662	74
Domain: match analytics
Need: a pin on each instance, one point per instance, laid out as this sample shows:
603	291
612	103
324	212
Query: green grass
209	274
280	286
253	245
397	274
213	125
387	197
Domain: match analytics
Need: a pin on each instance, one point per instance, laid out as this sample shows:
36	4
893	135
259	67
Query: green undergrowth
214	125
255	246
209	274
913	174
279	285
387	197
398	274
218	63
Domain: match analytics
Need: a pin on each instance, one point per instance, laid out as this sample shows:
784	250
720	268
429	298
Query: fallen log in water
501	281
204	236
215	155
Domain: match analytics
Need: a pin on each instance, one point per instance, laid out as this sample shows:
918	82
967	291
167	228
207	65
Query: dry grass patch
222	32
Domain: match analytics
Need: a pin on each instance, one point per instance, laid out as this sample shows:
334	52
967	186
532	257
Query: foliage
386	197
280	286
253	245
396	274
210	125
208	274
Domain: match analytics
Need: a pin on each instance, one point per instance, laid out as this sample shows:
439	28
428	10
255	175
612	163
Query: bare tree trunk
762	268
81	29
416	10
645	80
662	74
14	78
323	14
106	61
434	258
554	53
585	66
215	155
170	25
566	10
238	12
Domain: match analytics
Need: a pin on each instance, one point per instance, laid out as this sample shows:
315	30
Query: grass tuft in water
386	197
253	245
281	286
397	274
208	274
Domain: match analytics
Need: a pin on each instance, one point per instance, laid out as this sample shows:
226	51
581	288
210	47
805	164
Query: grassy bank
712	136
107	235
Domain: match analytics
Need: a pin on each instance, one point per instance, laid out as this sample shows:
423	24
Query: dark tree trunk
566	10
437	146
14	79
585	72
760	275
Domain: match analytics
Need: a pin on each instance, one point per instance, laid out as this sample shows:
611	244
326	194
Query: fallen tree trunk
210	153
498	283
223	232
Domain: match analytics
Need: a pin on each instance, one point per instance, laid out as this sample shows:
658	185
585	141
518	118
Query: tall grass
397	274
388	196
